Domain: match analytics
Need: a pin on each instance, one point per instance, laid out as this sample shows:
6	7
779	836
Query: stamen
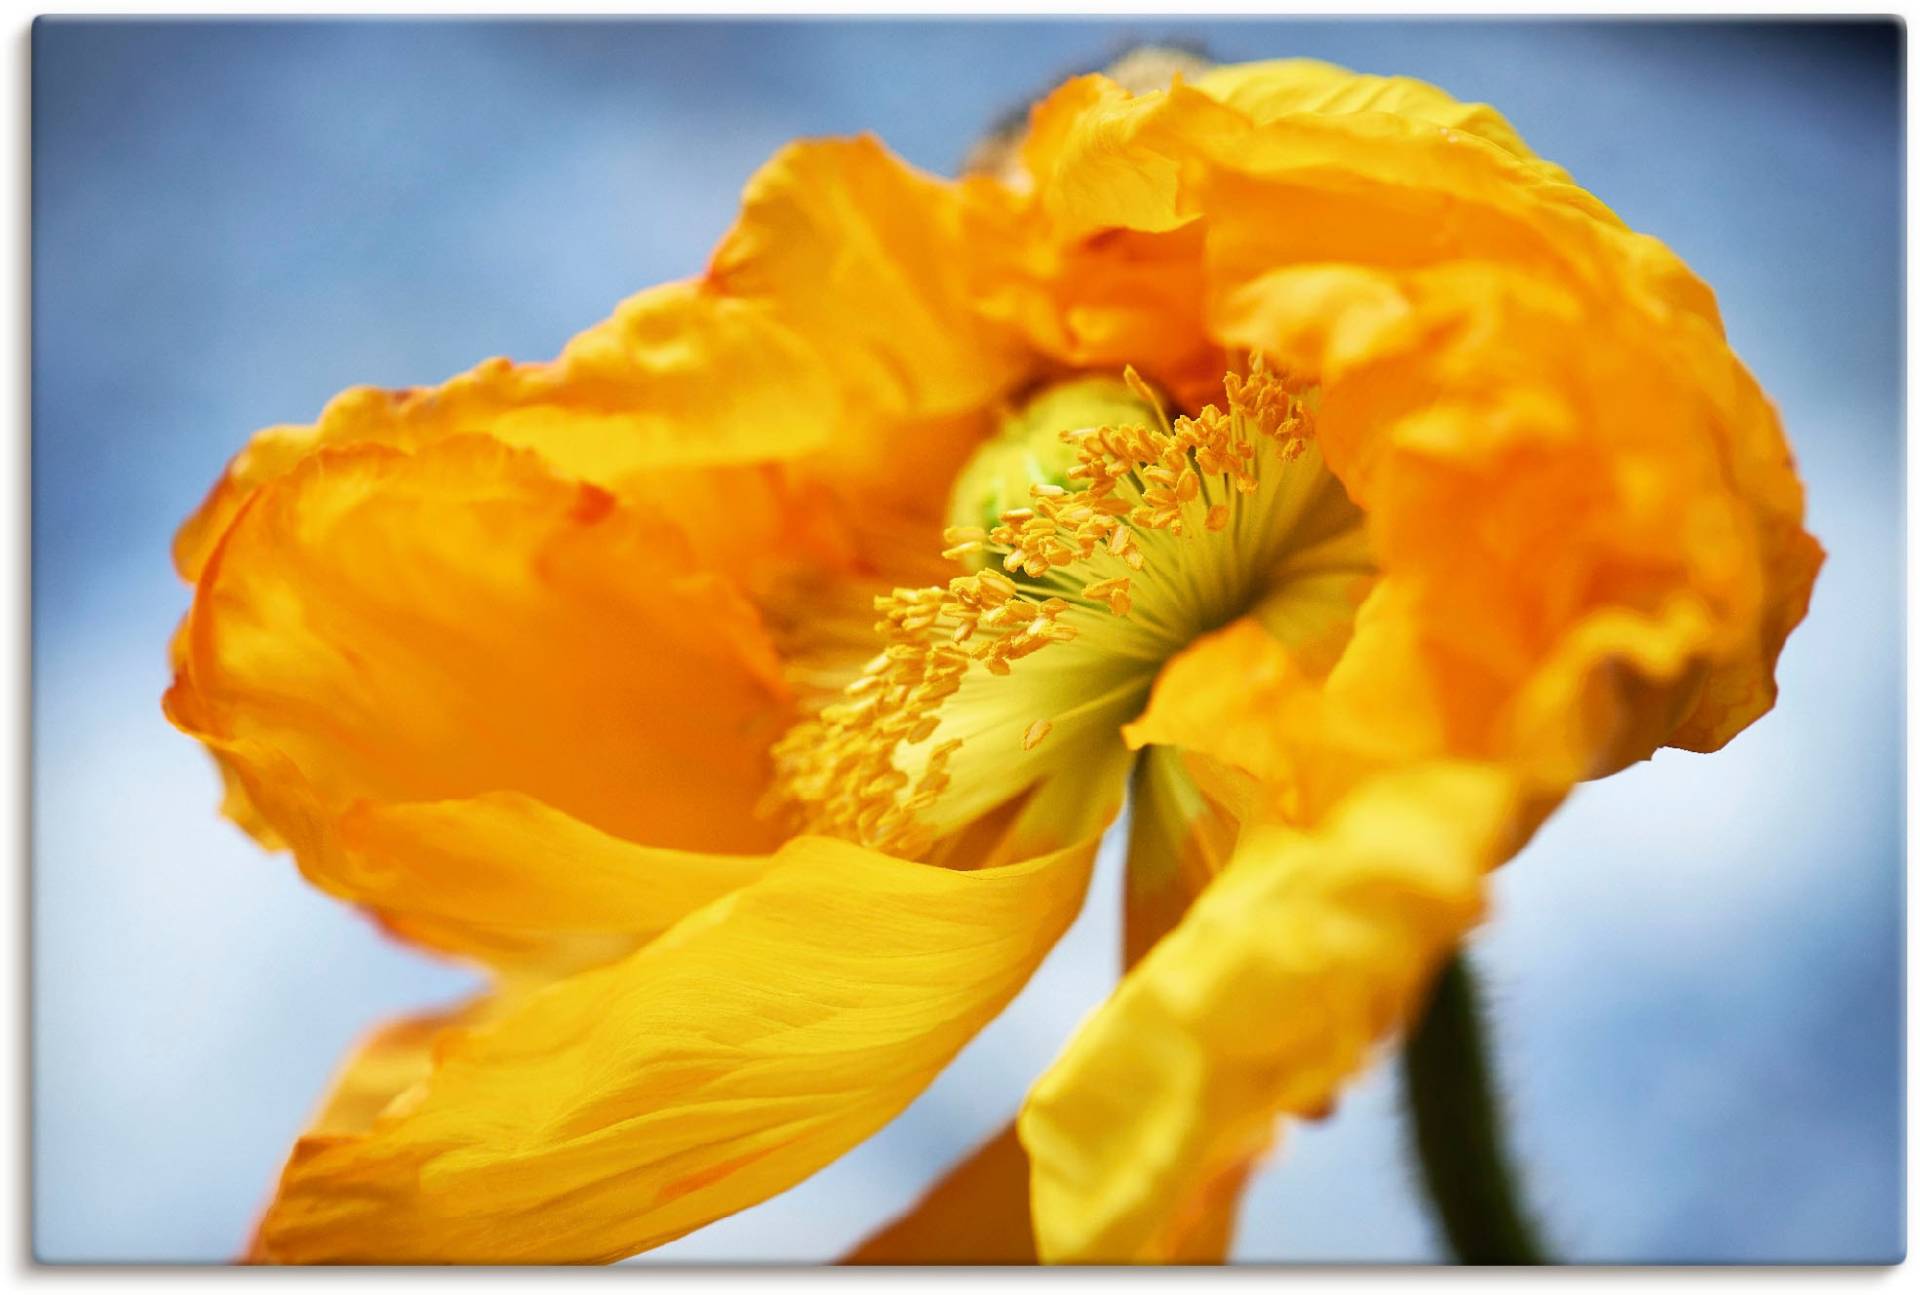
1105	562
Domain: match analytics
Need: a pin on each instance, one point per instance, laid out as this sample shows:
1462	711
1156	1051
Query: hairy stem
1456	1123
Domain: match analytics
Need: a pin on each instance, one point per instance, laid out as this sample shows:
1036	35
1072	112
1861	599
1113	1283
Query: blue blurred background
1698	966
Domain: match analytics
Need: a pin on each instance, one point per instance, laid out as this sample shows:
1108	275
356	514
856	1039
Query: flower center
1102	537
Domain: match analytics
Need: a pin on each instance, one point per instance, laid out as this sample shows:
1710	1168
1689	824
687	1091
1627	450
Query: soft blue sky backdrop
1697	966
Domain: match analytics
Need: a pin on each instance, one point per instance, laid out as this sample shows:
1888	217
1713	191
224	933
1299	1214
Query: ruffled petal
1477	390
1365	188
866	258
1266	91
871	262
620	1108
832	347
681	378
1299	958
1490	343
382	632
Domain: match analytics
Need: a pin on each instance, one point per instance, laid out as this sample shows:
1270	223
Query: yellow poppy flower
1289	445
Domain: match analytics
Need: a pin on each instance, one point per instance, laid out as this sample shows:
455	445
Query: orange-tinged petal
1741	687
873	263
1275	88
980	1213
679	378
832	350
1100	159
1582	365
977	1213
235	804
456	621
1116	152
1117	298
1178	839
750	1045
1247	711
1491	422
1201	1231
1288	970
381	628
1300	188
867	259
387	1062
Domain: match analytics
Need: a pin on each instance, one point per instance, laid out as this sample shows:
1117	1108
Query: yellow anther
1105	509
1001	588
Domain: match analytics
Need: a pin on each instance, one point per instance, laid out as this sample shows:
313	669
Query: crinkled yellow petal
622	1107
1484	332
834	330
1267	165
681	377
977	1213
1299	958
1275	88
1116	298
871	262
235	803
381	628
864	257
1368	188
1475	390
456	621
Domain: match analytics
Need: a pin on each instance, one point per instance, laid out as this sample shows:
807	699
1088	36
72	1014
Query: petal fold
866	258
383	635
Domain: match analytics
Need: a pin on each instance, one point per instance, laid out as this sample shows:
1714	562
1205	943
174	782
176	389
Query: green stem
1456	1124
